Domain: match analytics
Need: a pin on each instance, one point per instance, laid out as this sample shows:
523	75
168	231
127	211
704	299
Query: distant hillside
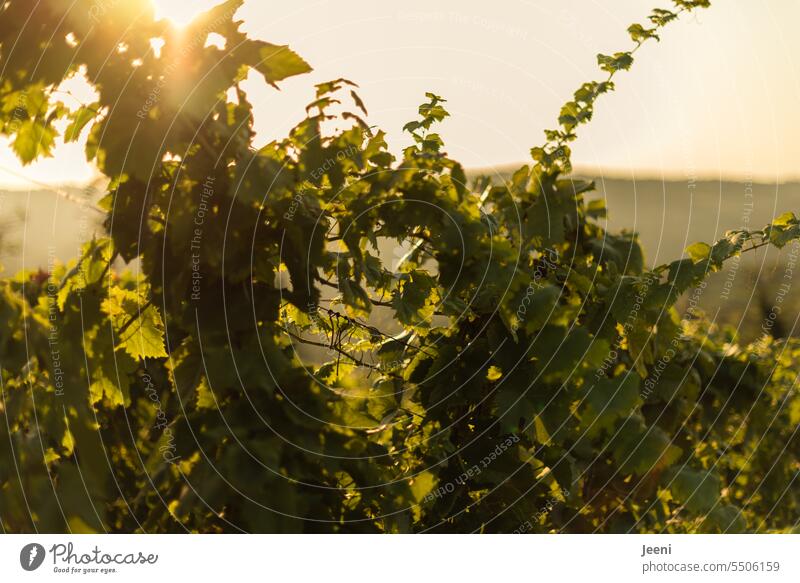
40	226
668	216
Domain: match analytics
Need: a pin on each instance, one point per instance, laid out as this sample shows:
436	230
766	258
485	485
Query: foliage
518	354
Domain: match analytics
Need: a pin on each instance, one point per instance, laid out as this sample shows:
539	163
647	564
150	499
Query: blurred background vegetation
44	224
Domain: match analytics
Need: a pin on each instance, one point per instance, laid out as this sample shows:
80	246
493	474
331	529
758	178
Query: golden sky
716	97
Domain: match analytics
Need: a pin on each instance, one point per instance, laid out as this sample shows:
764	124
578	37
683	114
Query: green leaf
277	62
544	221
698	490
727	247
682	274
640	34
110	376
608	400
138	325
660	17
34	139
532	307
616	62
82	116
639	449
784	229
412	301
725	519
355	297
93	264
558	356
515	401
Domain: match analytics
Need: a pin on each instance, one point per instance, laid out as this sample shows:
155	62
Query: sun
181	12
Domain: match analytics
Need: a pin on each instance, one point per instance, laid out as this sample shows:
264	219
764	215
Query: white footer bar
401	559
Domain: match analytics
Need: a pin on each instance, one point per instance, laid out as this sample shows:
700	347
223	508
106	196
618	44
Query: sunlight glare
181	12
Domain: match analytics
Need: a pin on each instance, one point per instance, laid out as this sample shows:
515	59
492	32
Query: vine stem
343	352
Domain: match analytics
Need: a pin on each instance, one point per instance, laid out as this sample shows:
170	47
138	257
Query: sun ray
181	13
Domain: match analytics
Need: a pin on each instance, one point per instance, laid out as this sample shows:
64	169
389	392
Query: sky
716	98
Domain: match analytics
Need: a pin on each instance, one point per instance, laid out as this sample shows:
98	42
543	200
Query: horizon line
580	171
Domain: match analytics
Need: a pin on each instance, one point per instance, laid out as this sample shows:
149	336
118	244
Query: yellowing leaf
698	251
205	396
137	324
